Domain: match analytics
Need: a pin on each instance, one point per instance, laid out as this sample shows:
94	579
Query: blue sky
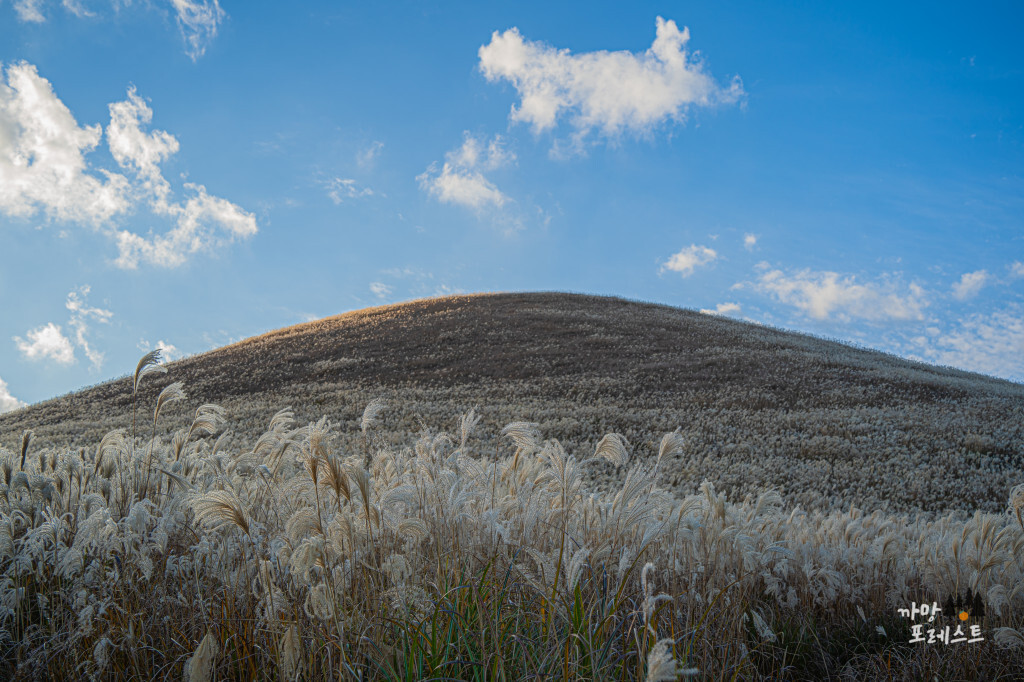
183	173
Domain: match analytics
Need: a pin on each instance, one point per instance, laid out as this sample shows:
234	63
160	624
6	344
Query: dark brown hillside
825	423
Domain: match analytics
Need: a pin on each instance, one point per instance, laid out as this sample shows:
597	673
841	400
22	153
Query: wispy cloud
42	161
970	284
366	157
30	10
689	259
7	401
198	21
380	290
46	343
340	189
461	180
723	309
749	241
606	92
1016	269
825	295
81	314
991	342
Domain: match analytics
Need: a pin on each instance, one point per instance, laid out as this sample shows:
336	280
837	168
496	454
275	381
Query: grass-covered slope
369	545
825	424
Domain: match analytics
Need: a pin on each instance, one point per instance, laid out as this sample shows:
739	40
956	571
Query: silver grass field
324	550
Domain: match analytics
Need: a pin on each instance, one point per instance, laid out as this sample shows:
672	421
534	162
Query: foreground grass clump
150	558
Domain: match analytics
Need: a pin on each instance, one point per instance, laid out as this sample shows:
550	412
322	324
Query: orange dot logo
964	615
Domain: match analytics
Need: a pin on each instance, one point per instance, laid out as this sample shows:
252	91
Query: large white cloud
689	259
461	179
828	295
42	162
203	223
7	401
607	92
970	284
43	169
47	342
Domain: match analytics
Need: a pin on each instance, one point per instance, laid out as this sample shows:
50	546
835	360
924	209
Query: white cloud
823	295
366	157
1016	269
969	285
42	167
47	342
380	290
723	309
28	10
749	241
136	150
690	258
169	352
43	170
194	231
7	401
461	180
991	343
76	8
610	92
339	189
79	322
198	21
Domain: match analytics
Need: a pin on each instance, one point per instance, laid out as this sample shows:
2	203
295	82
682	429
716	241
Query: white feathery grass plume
148	364
219	508
1015	504
208	418
1008	638
650	599
101	653
467	423
671	445
613	448
171	393
317	437
318	603
199	667
526	435
413	528
573	568
371	414
764	631
290	650
661	666
334	475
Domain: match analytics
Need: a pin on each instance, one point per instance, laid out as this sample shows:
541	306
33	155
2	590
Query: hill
825	424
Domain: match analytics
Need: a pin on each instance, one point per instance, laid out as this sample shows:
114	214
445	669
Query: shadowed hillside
825	424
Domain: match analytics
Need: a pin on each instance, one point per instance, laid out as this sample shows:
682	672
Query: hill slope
825	424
